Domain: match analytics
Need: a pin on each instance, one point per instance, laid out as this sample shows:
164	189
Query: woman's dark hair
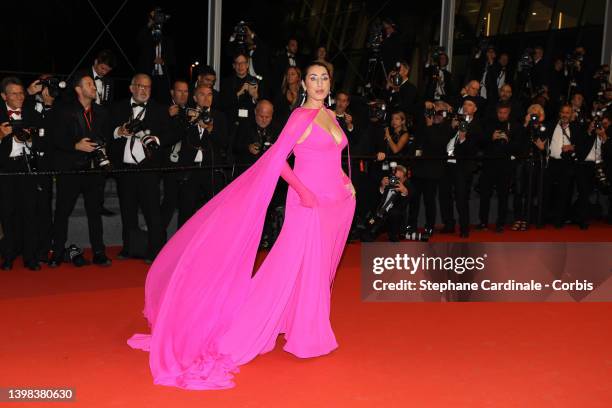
316	64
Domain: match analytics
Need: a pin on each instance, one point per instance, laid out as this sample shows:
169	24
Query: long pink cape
201	277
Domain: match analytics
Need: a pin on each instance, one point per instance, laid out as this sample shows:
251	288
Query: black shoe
583	226
55	261
32	265
7	265
429	232
105	212
79	261
482	227
464	233
558	225
499	229
101	259
448	229
123	254
148	261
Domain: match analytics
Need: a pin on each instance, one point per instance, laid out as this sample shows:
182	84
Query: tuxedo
427	171
139	189
20	202
199	147
457	180
105	88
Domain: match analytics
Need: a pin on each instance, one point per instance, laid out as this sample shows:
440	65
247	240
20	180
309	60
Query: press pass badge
243	113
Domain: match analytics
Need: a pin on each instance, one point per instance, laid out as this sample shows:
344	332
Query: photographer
208	76
391	47
402	94
256	137
540	70
18	154
44	93
501	136
202	144
486	72
589	149
157	57
529	170
245	40
428	171
505	74
561	164
393	199
471	90
239	94
457	179
103	64
180	115
288	57
396	140
438	79
139	127
79	136
505	96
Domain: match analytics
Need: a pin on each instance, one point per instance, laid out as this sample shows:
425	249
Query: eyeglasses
142	87
241	63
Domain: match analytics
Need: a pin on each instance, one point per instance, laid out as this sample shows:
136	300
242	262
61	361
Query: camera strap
133	138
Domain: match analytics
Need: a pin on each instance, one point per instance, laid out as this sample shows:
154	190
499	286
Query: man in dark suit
138	149
457	180
501	139
79	129
202	145
472	90
486	71
208	76
19	193
288	57
239	95
438	80
563	136
259	55
404	95
427	171
102	66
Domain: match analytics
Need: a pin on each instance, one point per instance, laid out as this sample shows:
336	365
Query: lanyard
88	118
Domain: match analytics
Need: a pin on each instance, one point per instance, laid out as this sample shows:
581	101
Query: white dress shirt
199	156
558	140
595	153
138	150
17	148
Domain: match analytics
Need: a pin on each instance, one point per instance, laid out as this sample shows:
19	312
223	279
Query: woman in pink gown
207	313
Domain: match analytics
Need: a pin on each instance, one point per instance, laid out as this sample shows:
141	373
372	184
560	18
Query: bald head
263	113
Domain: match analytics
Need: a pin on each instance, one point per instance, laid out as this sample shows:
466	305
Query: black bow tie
98	77
142	105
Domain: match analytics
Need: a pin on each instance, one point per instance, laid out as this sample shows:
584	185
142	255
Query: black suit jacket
432	140
465	151
430	84
69	127
405	99
214	145
156	119
230	103
30	118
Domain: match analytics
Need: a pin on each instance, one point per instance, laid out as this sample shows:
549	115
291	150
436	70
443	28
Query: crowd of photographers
537	134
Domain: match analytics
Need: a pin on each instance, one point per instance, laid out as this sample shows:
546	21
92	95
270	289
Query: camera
601	179
240	33
525	62
53	84
138	129
412	235
253	80
502	133
378	110
99	155
22	132
430	113
375	37
462	121
205	116
159	18
396	78
436	52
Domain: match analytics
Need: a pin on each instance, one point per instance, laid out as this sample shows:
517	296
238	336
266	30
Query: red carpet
67	327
